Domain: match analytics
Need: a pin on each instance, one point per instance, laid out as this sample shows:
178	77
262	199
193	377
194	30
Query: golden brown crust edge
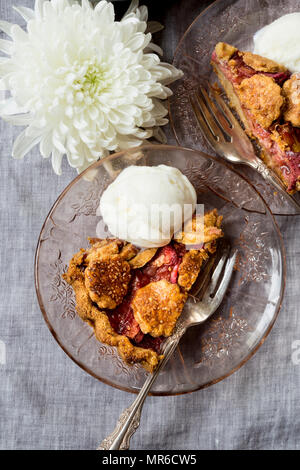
157	306
99	321
262	64
225	51
262	97
291	91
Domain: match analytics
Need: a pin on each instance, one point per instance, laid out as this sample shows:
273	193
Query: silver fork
225	135
214	287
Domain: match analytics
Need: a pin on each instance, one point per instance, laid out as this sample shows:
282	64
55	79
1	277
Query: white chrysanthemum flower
83	83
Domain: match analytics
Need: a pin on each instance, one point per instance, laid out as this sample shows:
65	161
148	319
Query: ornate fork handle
220	267
129	420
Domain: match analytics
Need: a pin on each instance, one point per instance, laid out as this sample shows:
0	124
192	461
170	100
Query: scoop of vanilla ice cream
279	41
147	205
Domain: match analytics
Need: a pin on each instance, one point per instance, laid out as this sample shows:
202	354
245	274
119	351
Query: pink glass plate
235	22
207	353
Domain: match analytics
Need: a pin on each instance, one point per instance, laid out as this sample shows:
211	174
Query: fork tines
214	121
211	270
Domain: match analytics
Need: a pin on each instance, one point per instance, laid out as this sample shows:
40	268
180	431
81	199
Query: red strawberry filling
148	342
164	265
288	161
123	321
243	70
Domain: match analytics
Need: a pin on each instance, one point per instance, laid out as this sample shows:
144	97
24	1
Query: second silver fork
225	135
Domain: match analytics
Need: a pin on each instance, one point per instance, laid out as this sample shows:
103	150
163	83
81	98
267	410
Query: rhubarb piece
157	306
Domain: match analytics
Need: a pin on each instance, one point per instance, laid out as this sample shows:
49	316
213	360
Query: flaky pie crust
100	277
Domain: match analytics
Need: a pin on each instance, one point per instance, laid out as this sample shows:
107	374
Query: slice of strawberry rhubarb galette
267	98
133	297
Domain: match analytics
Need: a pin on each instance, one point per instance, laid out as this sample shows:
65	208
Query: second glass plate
234	22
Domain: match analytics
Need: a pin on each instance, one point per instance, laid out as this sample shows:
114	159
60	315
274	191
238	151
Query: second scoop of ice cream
279	41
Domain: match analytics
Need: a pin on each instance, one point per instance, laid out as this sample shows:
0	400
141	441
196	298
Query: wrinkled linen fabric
47	402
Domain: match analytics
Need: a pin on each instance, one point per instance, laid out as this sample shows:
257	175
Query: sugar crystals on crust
224	51
107	281
262	97
291	90
190	268
157	306
201	229
262	64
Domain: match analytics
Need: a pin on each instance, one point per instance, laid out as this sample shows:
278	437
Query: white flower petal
86	4
23	144
6	27
143	10
56	161
174	74
58	142
87	154
46	145
6	66
132	7
80	123
83	83
159	135
9	106
18	34
144	134
4	83
129	142
106	12
18	120
159	91
26	13
93	112
155	48
63	128
75	160
6	46
138	41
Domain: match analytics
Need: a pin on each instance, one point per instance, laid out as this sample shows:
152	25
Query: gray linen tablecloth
47	402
